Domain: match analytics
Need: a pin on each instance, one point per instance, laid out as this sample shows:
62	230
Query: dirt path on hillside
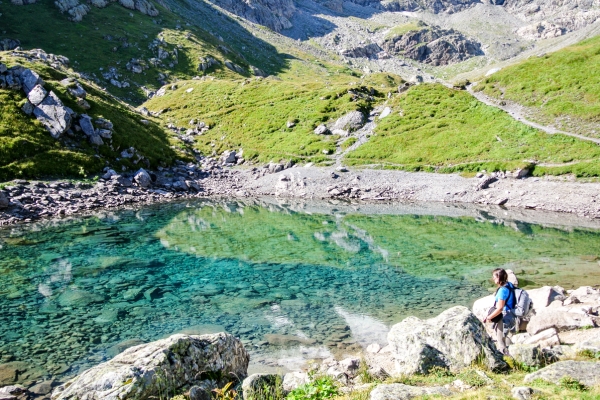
516	112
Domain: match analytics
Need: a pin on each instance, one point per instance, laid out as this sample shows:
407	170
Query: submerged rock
454	340
143	371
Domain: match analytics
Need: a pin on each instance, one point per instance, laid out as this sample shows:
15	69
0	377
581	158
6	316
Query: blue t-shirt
504	293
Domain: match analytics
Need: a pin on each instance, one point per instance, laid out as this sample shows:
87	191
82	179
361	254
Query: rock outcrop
9	44
453	340
274	14
432	45
435	6
177	363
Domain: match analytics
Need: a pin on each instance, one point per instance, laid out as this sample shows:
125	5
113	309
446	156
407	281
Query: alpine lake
294	280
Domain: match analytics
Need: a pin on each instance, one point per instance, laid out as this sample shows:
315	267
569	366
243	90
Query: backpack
523	303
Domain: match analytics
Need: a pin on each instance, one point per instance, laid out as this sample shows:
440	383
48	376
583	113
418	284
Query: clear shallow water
292	282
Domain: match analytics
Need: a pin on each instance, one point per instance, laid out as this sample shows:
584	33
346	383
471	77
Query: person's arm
499	308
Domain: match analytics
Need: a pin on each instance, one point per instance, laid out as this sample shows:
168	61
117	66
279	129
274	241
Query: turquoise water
291	283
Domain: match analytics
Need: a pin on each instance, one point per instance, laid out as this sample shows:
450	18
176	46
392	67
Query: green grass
252	114
28	151
446	130
564	83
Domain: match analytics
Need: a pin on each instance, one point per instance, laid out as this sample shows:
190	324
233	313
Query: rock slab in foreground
455	339
141	372
398	391
585	372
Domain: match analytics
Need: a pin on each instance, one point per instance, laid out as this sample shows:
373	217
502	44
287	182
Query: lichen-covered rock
399	391
29	79
145	7
453	340
585	372
528	354
141	372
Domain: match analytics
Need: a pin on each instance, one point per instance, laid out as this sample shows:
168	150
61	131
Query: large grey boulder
165	366
85	122
37	95
455	339
558	319
585	372
350	122
399	391
543	296
55	117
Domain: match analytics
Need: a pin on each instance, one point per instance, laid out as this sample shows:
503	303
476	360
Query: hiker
502	314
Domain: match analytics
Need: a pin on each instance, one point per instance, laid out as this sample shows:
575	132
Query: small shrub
321	388
595	355
225	393
572	384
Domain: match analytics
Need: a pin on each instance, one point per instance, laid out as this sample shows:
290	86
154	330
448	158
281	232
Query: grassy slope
252	114
28	151
445	130
558	85
86	45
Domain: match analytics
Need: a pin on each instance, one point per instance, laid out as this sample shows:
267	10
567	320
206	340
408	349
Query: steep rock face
432	45
436	6
274	14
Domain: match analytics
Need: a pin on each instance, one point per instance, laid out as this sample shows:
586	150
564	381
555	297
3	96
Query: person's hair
501	275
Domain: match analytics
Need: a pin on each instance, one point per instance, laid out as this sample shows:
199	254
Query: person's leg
500	344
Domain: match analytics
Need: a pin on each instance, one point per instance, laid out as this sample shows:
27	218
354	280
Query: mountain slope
560	88
27	149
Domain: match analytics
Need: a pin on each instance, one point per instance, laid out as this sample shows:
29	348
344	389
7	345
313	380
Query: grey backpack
523	303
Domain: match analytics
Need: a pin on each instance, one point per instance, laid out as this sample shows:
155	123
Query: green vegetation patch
28	151
564	83
404	29
434	128
253	114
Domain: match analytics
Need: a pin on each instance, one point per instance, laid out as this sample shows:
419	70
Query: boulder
585	294
143	178
321	130
522	393
55	117
482	306
542	297
292	380
78	298
77	91
144	371
9	44
545	338
585	372
561	320
4	202
455	339
399	391
85	122
258	386
528	354
350	122
96	140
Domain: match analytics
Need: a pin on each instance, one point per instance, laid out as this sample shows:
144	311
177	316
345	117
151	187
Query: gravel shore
22	201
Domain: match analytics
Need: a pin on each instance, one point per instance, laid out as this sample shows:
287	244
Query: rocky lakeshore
561	343
24	201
